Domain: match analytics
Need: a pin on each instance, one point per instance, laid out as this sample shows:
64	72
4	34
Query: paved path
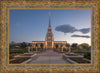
49	57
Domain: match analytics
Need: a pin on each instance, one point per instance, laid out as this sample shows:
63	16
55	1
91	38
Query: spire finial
49	19
49	14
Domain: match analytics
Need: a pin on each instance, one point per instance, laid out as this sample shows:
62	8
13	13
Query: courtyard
49	57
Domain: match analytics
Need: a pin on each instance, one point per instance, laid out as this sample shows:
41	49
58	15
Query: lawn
15	52
11	56
81	50
18	50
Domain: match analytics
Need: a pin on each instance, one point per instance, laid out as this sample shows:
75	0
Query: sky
71	25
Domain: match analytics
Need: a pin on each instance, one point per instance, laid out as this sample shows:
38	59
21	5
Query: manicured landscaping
19	60
71	54
80	50
18	50
87	55
27	54
65	50
11	56
80	60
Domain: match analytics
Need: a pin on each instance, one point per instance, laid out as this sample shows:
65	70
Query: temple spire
49	20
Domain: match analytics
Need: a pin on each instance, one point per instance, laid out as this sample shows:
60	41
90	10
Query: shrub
18	51
87	55
34	49
11	56
65	50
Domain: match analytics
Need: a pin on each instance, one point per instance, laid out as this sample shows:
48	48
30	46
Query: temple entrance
49	47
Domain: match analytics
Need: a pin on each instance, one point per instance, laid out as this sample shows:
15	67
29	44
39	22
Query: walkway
49	57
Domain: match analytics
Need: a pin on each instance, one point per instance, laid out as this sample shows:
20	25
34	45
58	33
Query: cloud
82	36
67	28
85	30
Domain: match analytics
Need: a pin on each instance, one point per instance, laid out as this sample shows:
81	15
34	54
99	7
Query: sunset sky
71	25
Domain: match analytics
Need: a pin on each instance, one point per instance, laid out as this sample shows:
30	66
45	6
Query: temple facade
49	40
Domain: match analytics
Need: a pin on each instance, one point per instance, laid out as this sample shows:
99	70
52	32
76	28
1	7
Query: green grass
34	49
18	51
22	50
11	56
82	50
87	55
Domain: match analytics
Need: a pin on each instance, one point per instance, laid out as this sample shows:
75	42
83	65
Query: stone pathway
49	57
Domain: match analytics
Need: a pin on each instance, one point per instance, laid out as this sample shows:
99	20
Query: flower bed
72	58
69	60
71	54
80	60
27	54
16	59
19	60
11	56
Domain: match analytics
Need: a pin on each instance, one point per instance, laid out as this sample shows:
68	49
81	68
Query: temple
49	40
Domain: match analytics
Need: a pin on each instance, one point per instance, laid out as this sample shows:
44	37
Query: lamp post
31	49
36	48
69	49
61	49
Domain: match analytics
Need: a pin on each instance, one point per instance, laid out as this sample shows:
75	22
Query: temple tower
49	39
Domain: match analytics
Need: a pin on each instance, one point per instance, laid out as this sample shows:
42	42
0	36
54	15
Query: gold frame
7	5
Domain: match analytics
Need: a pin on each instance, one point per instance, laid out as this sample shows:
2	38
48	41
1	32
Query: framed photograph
50	36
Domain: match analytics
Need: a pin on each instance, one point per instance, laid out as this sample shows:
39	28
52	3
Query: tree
23	45
41	45
89	48
61	49
68	45
12	45
36	45
85	46
74	45
87	55
29	44
61	45
56	45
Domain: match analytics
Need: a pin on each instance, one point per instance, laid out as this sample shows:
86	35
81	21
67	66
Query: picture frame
7	5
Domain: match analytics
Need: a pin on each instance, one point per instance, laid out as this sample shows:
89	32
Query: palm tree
23	45
36	47
56	46
61	47
41	46
68	45
74	45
